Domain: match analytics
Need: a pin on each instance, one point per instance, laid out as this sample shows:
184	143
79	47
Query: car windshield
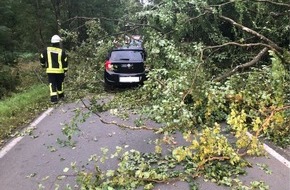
127	55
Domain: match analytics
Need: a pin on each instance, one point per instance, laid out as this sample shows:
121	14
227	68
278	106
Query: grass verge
19	110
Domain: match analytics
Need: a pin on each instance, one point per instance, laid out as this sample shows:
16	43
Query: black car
125	65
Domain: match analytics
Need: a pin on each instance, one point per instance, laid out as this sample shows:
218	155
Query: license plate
129	79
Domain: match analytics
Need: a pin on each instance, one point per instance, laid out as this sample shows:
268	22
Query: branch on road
267	121
201	165
115	123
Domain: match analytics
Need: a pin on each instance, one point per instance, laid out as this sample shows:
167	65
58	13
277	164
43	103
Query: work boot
55	102
61	97
53	99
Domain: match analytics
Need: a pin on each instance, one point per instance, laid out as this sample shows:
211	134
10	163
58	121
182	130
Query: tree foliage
215	67
27	26
210	62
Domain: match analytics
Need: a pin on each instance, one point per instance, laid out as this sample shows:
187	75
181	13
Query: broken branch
238	44
250	31
245	65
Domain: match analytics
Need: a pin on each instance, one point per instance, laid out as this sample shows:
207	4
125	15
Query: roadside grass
22	107
31	98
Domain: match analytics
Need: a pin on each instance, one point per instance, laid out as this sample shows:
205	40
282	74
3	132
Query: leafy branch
273	45
210	159
237	44
270	117
274	3
245	65
132	25
116	123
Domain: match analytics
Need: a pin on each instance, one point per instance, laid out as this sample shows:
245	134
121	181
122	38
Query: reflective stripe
51	92
54	70
49	61
61	91
50	68
54	50
59	59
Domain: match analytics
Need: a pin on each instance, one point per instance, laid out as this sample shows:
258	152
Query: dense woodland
27	26
248	29
210	61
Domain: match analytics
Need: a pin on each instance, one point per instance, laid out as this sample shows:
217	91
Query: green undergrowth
19	109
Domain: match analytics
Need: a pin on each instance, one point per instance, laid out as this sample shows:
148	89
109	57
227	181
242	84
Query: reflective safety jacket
54	59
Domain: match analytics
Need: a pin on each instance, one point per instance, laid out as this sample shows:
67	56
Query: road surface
38	161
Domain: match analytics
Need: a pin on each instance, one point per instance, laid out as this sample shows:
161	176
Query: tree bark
256	59
274	3
56	9
238	44
42	41
274	46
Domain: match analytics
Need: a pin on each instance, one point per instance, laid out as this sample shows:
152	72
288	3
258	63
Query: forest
209	61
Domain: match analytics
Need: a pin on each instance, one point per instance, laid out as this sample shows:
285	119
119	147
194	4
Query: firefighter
54	59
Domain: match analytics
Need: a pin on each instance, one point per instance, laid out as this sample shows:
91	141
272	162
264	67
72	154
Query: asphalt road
37	161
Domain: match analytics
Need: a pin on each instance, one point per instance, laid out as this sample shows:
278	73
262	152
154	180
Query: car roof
128	48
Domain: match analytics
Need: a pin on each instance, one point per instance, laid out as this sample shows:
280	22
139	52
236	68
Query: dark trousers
55	86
